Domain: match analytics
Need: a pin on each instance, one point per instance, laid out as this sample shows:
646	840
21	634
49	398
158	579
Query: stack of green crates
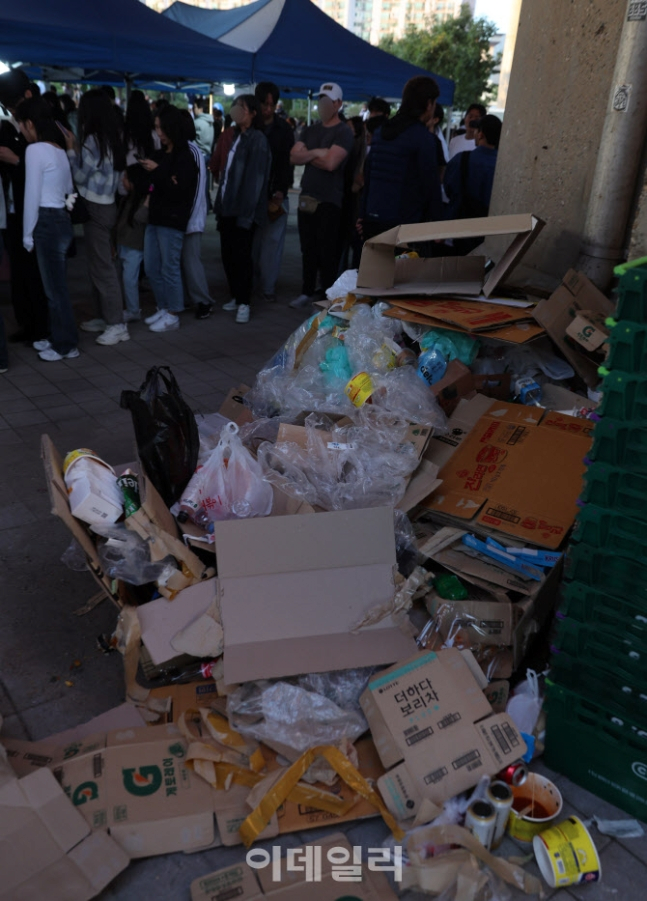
596	694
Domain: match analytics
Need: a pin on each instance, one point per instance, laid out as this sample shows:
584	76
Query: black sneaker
203	310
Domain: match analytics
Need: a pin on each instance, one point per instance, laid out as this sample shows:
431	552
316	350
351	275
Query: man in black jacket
27	293
269	240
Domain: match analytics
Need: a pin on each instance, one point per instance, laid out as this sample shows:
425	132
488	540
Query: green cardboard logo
87	791
177	750
143	781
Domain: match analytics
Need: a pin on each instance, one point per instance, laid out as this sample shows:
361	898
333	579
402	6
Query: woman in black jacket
241	203
174	185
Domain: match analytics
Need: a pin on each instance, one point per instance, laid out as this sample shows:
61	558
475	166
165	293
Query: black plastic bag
166	432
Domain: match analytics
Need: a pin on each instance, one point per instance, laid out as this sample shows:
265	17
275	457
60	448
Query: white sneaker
131	317
303	300
242	314
231	306
114	334
41	345
152	319
166	323
94	325
51	356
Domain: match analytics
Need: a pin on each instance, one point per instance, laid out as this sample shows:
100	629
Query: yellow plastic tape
219	728
201	759
259	818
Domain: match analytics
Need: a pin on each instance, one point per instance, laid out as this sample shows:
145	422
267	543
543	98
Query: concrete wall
559	87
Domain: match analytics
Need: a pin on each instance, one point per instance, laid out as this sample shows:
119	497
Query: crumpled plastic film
437	836
416	585
260	817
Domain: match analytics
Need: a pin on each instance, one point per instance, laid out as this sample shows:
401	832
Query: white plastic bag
231	483
525	704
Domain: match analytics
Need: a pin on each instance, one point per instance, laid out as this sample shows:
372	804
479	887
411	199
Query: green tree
457	48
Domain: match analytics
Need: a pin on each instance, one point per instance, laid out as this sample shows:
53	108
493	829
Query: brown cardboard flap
517	333
380	273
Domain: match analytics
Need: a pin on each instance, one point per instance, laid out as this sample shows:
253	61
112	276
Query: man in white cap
323	150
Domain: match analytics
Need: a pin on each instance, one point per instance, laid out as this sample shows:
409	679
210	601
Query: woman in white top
47	227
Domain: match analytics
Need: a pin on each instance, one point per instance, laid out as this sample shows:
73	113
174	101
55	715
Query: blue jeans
131	261
268	250
52	238
163	262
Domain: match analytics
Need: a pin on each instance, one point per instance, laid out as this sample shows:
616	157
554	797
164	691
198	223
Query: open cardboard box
293	587
131	782
287	880
381	275
518	471
46	849
435	730
575	295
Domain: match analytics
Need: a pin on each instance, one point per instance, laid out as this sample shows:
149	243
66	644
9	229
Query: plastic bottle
432	366
190	673
528	391
189	510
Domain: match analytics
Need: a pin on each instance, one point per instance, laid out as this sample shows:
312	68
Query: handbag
308	204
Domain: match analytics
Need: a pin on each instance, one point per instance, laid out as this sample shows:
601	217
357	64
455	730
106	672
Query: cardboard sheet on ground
46	850
517	333
433	726
518	471
380	274
286	879
292	588
132	782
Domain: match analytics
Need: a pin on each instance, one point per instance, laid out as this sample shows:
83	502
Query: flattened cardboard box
429	715
293	587
517	333
574	295
132	783
519	471
244	883
231	807
46	850
380	274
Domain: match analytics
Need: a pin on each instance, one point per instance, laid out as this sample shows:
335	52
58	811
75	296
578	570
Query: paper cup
547	806
566	854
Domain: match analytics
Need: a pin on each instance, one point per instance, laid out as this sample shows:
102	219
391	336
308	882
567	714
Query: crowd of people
139	184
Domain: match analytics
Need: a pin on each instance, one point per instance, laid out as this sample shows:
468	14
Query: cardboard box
429	715
293	587
519	471
461	422
589	330
233	407
190	696
575	294
46	850
132	783
283	881
457	383
518	333
483	622
161	619
380	274
466	315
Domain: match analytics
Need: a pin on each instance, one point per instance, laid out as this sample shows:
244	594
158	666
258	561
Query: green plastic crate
627	347
599	750
624	655
620	444
607	572
585	676
611	614
624	396
612	486
632	295
604	528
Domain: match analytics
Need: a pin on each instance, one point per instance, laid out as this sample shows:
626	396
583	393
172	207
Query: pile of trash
328	593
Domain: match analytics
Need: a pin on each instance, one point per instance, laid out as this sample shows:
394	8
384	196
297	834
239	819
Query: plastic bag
166	432
210	425
345	284
525	704
406	548
230	485
452	345
124	555
74	557
291	719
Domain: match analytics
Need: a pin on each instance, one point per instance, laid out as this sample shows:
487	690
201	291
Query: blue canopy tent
110	41
297	46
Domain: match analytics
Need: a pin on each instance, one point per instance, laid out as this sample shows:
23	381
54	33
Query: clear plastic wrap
403	393
345	284
366	464
74	557
125	555
406	548
291	719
